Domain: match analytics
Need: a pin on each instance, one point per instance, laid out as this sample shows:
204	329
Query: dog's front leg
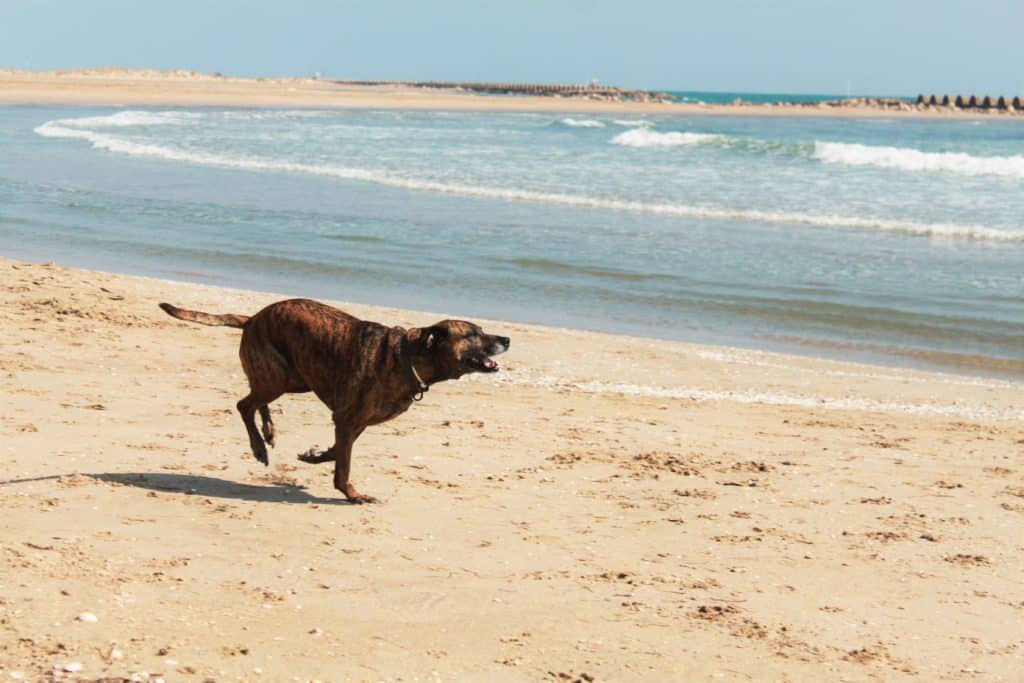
345	434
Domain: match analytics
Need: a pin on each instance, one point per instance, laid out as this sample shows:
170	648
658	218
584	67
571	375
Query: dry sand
606	508
115	86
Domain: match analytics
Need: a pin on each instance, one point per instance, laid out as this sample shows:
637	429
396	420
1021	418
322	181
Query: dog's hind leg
269	377
267	426
247	408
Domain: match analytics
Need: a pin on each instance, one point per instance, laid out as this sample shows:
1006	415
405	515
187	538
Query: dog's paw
361	499
313	456
268	434
353	496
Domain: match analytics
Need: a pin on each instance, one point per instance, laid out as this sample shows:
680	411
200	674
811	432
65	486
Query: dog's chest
385	409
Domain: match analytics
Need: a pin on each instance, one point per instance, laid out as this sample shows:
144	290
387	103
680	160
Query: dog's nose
505	341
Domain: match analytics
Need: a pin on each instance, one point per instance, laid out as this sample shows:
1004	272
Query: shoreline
753	356
603	508
982	368
142	87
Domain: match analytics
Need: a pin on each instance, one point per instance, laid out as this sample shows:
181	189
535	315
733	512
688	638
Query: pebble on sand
87	617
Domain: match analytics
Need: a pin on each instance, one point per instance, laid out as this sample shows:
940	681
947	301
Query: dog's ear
432	335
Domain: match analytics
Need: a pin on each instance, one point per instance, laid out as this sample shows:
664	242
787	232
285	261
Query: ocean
898	241
710	97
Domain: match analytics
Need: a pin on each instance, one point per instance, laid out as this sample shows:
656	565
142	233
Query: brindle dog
365	372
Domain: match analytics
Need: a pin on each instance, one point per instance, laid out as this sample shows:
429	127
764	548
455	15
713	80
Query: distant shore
144	87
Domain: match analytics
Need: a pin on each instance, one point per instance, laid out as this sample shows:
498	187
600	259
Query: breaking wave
848	154
124	119
915	160
644	137
105	141
582	123
130	118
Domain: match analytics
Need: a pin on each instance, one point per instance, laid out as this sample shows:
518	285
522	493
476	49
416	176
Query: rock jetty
589	92
983	104
924	103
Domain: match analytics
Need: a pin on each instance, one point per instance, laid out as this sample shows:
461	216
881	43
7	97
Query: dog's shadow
201	485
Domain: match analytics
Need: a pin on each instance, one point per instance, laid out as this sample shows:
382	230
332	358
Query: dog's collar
421	386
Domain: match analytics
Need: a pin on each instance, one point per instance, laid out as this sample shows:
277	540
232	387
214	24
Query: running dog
365	372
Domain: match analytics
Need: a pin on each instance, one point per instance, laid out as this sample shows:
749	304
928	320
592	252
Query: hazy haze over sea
900	240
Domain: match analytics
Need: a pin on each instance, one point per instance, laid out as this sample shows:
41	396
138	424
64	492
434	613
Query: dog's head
454	348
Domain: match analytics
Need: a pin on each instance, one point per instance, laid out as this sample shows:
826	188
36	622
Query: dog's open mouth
483	363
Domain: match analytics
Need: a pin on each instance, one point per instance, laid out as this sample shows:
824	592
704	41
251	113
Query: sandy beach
606	508
143	87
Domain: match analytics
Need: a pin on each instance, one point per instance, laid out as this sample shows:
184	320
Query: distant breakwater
984	103
590	92
923	103
937	103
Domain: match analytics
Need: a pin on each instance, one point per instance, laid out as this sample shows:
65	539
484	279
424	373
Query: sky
890	47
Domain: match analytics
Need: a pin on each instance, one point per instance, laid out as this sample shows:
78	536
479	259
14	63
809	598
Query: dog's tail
227	320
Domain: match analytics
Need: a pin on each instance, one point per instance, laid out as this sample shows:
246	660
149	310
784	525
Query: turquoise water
694	96
881	239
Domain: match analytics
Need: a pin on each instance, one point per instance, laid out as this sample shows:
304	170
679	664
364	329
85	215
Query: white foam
127	118
644	137
113	143
276	114
631	123
907	159
583	123
774	398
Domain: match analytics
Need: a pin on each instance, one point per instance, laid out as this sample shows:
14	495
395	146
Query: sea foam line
774	398
582	123
907	159
58	129
644	137
128	118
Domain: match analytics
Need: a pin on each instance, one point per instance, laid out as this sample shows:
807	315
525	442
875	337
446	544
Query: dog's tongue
489	364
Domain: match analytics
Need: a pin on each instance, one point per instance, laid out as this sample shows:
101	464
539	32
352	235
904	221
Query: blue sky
869	46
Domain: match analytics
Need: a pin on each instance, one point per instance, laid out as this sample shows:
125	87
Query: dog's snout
497	345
